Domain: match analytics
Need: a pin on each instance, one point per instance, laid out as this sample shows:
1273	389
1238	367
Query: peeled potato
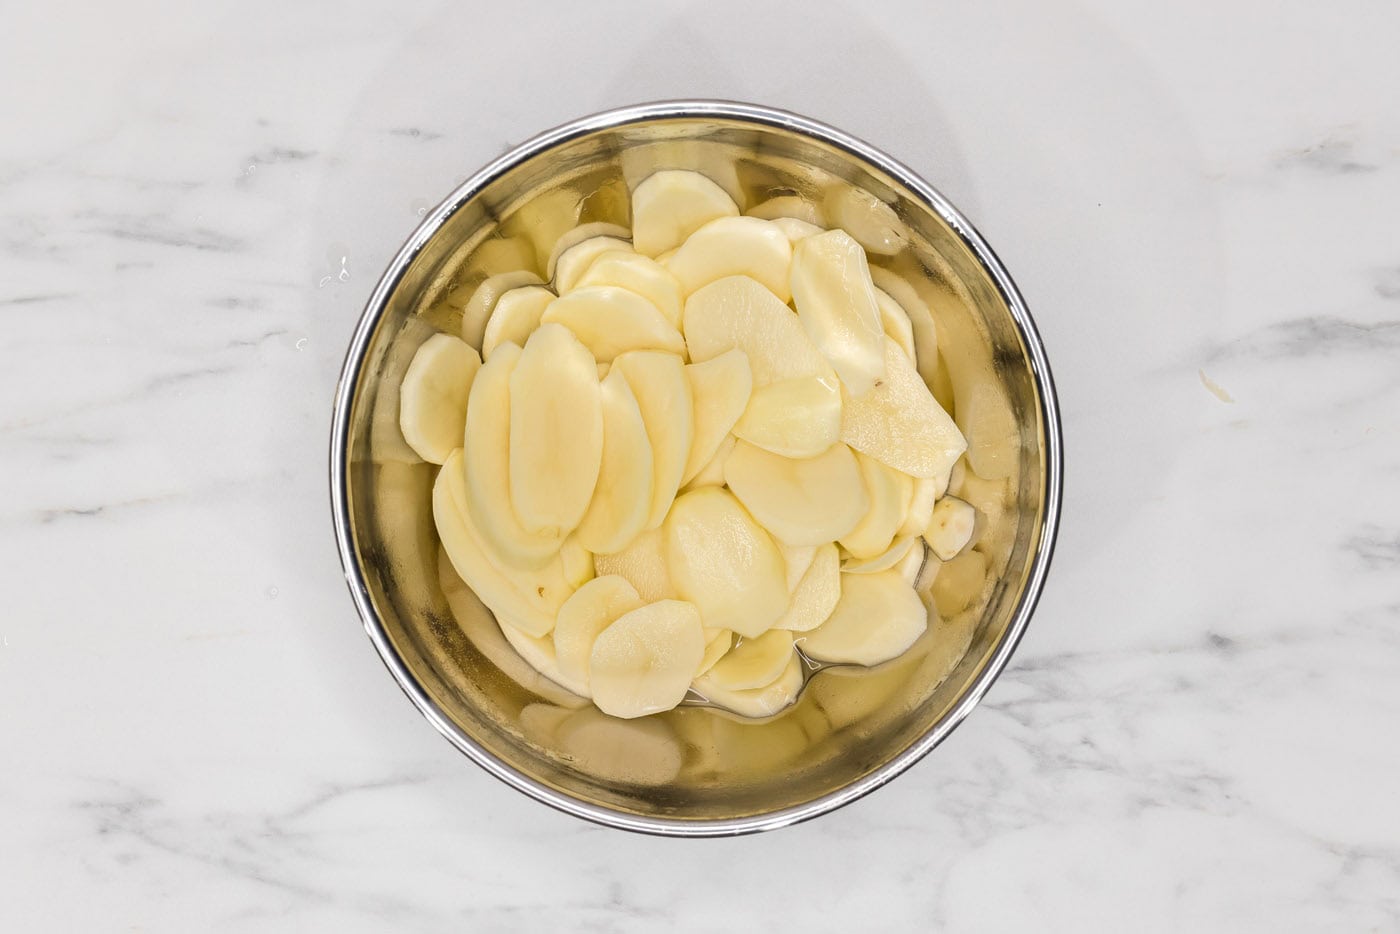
719	391
793	417
890	492
723	562
796	559
756	702
585	233
835	301
870	222
754	663
735	246
433	396
538	652
611	321
483	301
663	393
900	424
883	561
621	503
574	261
920	511
960	583
672	204
802	502
894	321
556	431
644	662
911	566
951	527
816	593
516	316
590	610
487	463
877	618
643	564
738	312
789	207
716	646
634	752
924	331
712	474
640	274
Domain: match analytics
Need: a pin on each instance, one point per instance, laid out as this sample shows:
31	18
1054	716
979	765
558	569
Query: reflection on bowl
699	771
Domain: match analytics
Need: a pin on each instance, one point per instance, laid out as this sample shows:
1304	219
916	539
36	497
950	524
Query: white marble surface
1199	730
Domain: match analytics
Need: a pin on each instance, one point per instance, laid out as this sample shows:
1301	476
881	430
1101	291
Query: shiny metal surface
693	771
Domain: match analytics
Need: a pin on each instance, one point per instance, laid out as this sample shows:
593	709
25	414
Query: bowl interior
696	767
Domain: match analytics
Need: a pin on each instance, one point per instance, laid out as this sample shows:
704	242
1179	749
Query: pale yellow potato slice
911	566
575	561
725	563
516	316
954	481
538	652
719	392
591	609
883	561
795	229
717	642
464	547
479	307
663	393
433	396
758	702
576	260
793	417
816	594
960	583
835	300
894	321
672	204
487	462
925	332
788	207
712	474
950	530
900	424
920	511
754	662
611	321
633	752
644	661
890	493
611	237
621	503
876	619
637	273
540	723
556	431
797	559
643	564
801	502
735	246
738	312
870	222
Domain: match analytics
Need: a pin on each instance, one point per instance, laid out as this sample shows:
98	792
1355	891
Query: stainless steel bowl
694	771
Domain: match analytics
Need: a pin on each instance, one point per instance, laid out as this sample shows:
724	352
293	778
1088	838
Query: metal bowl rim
655	112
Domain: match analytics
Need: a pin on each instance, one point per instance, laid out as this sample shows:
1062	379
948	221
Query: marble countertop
1199	202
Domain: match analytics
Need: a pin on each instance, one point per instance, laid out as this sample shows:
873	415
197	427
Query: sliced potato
672	204
925	332
877	618
717	642
584	233
621	503
900	424
793	417
890	492
433	396
883	561
735	246
576	561
795	229
756	702
738	312
712	474
920	511
801	502
723	562
960	583
487	462
951	527
538	652
835	300
911	566
633	752
663	393
590	610
719	392
644	661
576	260
556	431
894	321
816	594
643	564
516	316
870	222
483	302
754	662
789	207
640	274
611	321
797	559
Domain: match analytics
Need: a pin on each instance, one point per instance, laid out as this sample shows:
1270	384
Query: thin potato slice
738	312
576	260
715	647
735	246
483	302
590	610
672	204
890	493
643	564
433	396
516	316
644	662
663	394
894	320
920	510
581	234
757	702
789	207
900	424
876	619
951	527
753	663
712	474
640	274
797	559
538	652
611	321
622	499
719	389
835	300
801	502
816	594
883	561
793	417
